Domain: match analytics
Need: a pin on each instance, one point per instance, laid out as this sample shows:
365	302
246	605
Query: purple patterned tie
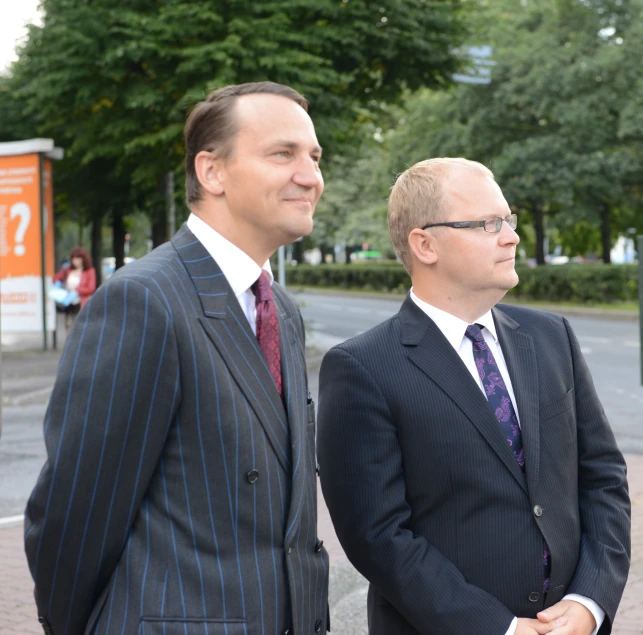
268	327
499	400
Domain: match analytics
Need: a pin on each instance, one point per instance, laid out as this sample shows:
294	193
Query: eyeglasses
491	225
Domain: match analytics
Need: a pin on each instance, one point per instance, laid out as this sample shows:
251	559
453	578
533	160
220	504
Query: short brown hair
212	127
81	252
417	198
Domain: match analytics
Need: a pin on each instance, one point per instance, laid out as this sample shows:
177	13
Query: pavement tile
18	612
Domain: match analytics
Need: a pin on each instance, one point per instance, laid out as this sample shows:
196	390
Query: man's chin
298	230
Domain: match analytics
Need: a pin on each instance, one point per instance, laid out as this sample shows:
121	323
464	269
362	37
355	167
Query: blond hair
417	198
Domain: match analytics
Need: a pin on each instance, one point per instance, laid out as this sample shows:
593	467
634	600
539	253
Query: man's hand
536	627
580	620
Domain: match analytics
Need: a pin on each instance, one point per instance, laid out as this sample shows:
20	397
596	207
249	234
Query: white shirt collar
240	270
452	327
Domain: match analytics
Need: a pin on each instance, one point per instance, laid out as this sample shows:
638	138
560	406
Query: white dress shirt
453	328
240	270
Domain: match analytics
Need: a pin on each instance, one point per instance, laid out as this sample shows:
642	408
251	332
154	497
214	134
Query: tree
555	122
113	81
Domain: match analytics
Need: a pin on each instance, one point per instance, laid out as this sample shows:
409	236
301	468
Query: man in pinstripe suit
179	494
466	461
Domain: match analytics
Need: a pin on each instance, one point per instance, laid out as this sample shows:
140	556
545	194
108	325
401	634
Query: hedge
587	283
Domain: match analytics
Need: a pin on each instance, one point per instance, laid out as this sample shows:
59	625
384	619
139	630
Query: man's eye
283	153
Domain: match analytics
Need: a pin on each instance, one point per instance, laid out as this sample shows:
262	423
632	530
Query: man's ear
422	246
208	170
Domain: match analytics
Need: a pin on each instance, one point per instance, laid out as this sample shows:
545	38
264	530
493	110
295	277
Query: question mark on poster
24	211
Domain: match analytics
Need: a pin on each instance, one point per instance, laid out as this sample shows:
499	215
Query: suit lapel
520	354
431	352
227	327
293	372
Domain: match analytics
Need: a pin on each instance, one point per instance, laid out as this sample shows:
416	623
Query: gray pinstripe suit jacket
427	498
179	495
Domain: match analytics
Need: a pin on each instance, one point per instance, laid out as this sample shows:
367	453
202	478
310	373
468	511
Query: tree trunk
298	251
159	214
97	248
539	226
118	238
606	233
348	251
171	206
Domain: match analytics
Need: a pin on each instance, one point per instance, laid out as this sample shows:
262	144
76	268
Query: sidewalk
18	613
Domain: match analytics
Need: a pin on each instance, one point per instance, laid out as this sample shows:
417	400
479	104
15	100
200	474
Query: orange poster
21	293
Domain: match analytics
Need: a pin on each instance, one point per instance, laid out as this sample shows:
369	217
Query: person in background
79	276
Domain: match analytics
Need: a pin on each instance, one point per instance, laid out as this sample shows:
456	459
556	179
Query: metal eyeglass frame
511	220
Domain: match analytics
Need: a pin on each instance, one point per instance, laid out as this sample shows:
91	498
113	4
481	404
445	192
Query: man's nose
307	173
508	236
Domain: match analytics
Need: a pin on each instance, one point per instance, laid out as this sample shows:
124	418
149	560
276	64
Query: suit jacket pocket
190	626
558	406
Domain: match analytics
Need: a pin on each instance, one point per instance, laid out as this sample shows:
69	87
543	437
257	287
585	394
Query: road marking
11	520
595	340
631	344
585	350
352	309
28	396
329	307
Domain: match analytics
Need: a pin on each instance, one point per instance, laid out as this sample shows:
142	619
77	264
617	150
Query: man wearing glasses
468	466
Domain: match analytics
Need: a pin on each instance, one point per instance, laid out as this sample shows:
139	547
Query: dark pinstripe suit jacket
427	498
179	495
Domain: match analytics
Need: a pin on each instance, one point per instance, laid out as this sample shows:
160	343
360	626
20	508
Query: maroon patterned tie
268	327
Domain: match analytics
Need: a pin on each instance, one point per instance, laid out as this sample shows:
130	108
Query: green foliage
560	122
112	81
586	284
365	277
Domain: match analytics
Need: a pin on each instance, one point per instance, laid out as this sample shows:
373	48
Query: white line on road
353	309
11	520
585	350
631	344
28	396
329	307
595	340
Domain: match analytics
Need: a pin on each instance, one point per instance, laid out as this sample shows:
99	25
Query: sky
15	14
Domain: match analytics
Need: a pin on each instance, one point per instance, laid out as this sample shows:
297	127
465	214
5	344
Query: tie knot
474	333
261	288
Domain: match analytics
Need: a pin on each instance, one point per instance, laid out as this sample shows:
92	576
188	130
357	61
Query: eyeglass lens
494	224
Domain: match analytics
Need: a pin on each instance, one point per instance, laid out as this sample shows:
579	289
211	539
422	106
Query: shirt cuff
591	606
512	627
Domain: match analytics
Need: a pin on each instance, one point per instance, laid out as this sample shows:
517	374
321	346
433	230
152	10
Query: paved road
611	348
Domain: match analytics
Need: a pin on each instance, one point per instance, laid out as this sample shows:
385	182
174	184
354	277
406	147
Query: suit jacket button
286	632
252	476
534	596
289	550
538	510
318	625
318	546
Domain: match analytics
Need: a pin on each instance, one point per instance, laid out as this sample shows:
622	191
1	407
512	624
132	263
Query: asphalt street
611	348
